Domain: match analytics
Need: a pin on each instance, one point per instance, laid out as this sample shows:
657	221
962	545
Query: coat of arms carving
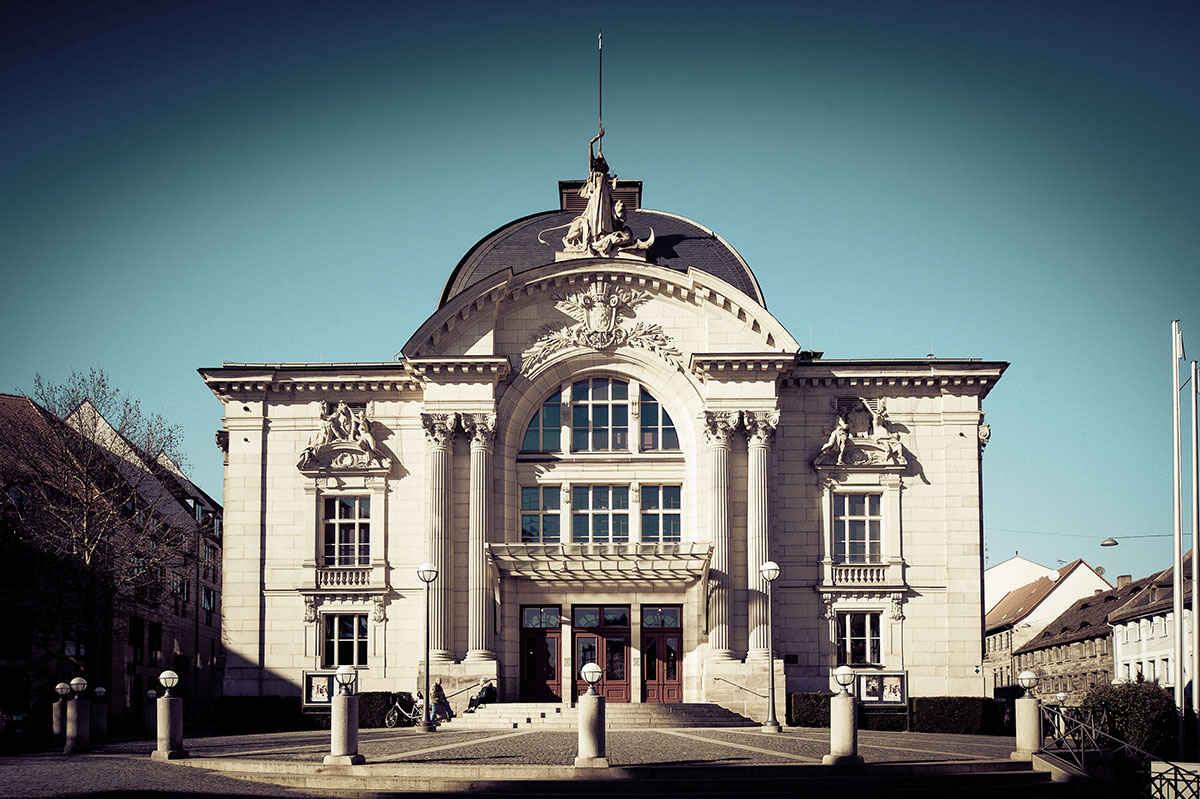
599	310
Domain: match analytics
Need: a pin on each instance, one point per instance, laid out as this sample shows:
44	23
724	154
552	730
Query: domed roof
678	244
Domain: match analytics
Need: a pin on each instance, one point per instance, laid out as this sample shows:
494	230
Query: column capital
760	427
481	427
439	428
719	427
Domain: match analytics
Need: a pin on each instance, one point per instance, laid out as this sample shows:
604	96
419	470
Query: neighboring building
1013	573
1024	612
1144	631
1075	652
597	438
172	623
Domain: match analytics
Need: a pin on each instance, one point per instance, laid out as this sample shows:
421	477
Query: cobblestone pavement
126	769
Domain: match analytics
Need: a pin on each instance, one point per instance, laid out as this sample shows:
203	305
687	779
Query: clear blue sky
187	183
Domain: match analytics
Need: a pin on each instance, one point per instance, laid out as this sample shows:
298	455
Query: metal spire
600	111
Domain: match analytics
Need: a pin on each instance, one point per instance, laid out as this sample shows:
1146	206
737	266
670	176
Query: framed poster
319	688
882	688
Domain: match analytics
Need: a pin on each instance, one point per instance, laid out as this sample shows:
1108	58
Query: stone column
718	429
482	429
760	434
439	432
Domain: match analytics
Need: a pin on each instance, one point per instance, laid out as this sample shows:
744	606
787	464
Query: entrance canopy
660	565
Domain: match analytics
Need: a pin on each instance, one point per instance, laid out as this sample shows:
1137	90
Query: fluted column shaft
439	432
760	434
718	428
482	429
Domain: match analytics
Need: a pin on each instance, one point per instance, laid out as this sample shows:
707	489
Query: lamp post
170	720
99	713
1027	718
343	727
843	723
590	752
79	719
427	573
769	571
58	713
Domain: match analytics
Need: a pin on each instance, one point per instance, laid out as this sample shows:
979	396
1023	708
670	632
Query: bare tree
90	495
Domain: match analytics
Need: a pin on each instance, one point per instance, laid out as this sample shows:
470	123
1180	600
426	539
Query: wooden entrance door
611	652
661	672
541	655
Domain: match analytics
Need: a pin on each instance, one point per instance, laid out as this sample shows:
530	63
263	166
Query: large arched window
596	419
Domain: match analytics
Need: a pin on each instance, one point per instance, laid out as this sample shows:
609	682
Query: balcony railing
334	577
860	574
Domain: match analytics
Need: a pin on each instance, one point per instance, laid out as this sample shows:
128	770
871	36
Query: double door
609	650
661	672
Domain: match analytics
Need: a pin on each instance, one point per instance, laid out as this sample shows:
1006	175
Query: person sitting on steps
441	705
486	695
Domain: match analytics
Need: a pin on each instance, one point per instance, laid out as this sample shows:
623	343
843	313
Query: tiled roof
1087	618
1158	595
1020	602
678	244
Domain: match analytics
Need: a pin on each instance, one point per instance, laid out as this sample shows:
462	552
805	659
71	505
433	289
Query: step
617	716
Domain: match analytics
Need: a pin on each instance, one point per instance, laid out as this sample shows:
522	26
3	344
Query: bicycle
397	712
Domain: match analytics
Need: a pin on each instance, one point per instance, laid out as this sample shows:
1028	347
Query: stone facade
597	453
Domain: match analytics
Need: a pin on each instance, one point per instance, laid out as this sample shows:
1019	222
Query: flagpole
1177	490
1195	554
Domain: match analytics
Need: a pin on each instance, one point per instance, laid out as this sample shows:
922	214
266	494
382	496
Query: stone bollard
591	731
843	731
100	715
170	729
79	726
58	718
343	732
1028	720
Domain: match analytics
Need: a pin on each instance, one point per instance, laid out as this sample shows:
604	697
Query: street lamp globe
844	676
62	689
78	685
152	694
1062	697
345	676
1027	680
100	692
591	673
427	572
168	680
769	571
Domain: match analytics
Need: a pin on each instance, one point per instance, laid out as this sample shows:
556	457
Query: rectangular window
599	415
661	513
540	519
345	640
154	633
856	524
208	601
599	514
210	562
858	639
347	531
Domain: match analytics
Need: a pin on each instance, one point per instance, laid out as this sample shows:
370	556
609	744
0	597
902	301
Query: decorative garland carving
379	615
760	427
310	610
896	611
985	434
599	310
345	441
439	428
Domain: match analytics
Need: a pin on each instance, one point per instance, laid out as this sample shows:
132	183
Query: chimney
1123	580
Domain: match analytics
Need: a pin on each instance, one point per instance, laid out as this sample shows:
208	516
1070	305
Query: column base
720	654
842	760
478	655
344	760
168	754
441	656
591	762
757	654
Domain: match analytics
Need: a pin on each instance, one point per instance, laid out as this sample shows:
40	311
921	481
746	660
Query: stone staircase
618	716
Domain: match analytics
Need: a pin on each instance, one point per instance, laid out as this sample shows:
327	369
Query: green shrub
888	718
956	715
809	709
1141	714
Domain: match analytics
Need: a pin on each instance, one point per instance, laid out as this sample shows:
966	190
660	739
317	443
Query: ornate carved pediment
600	310
345	442
861	438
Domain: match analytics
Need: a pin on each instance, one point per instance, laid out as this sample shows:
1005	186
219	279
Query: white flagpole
1195	555
1177	490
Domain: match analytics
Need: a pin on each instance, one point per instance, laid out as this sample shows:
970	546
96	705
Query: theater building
597	438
